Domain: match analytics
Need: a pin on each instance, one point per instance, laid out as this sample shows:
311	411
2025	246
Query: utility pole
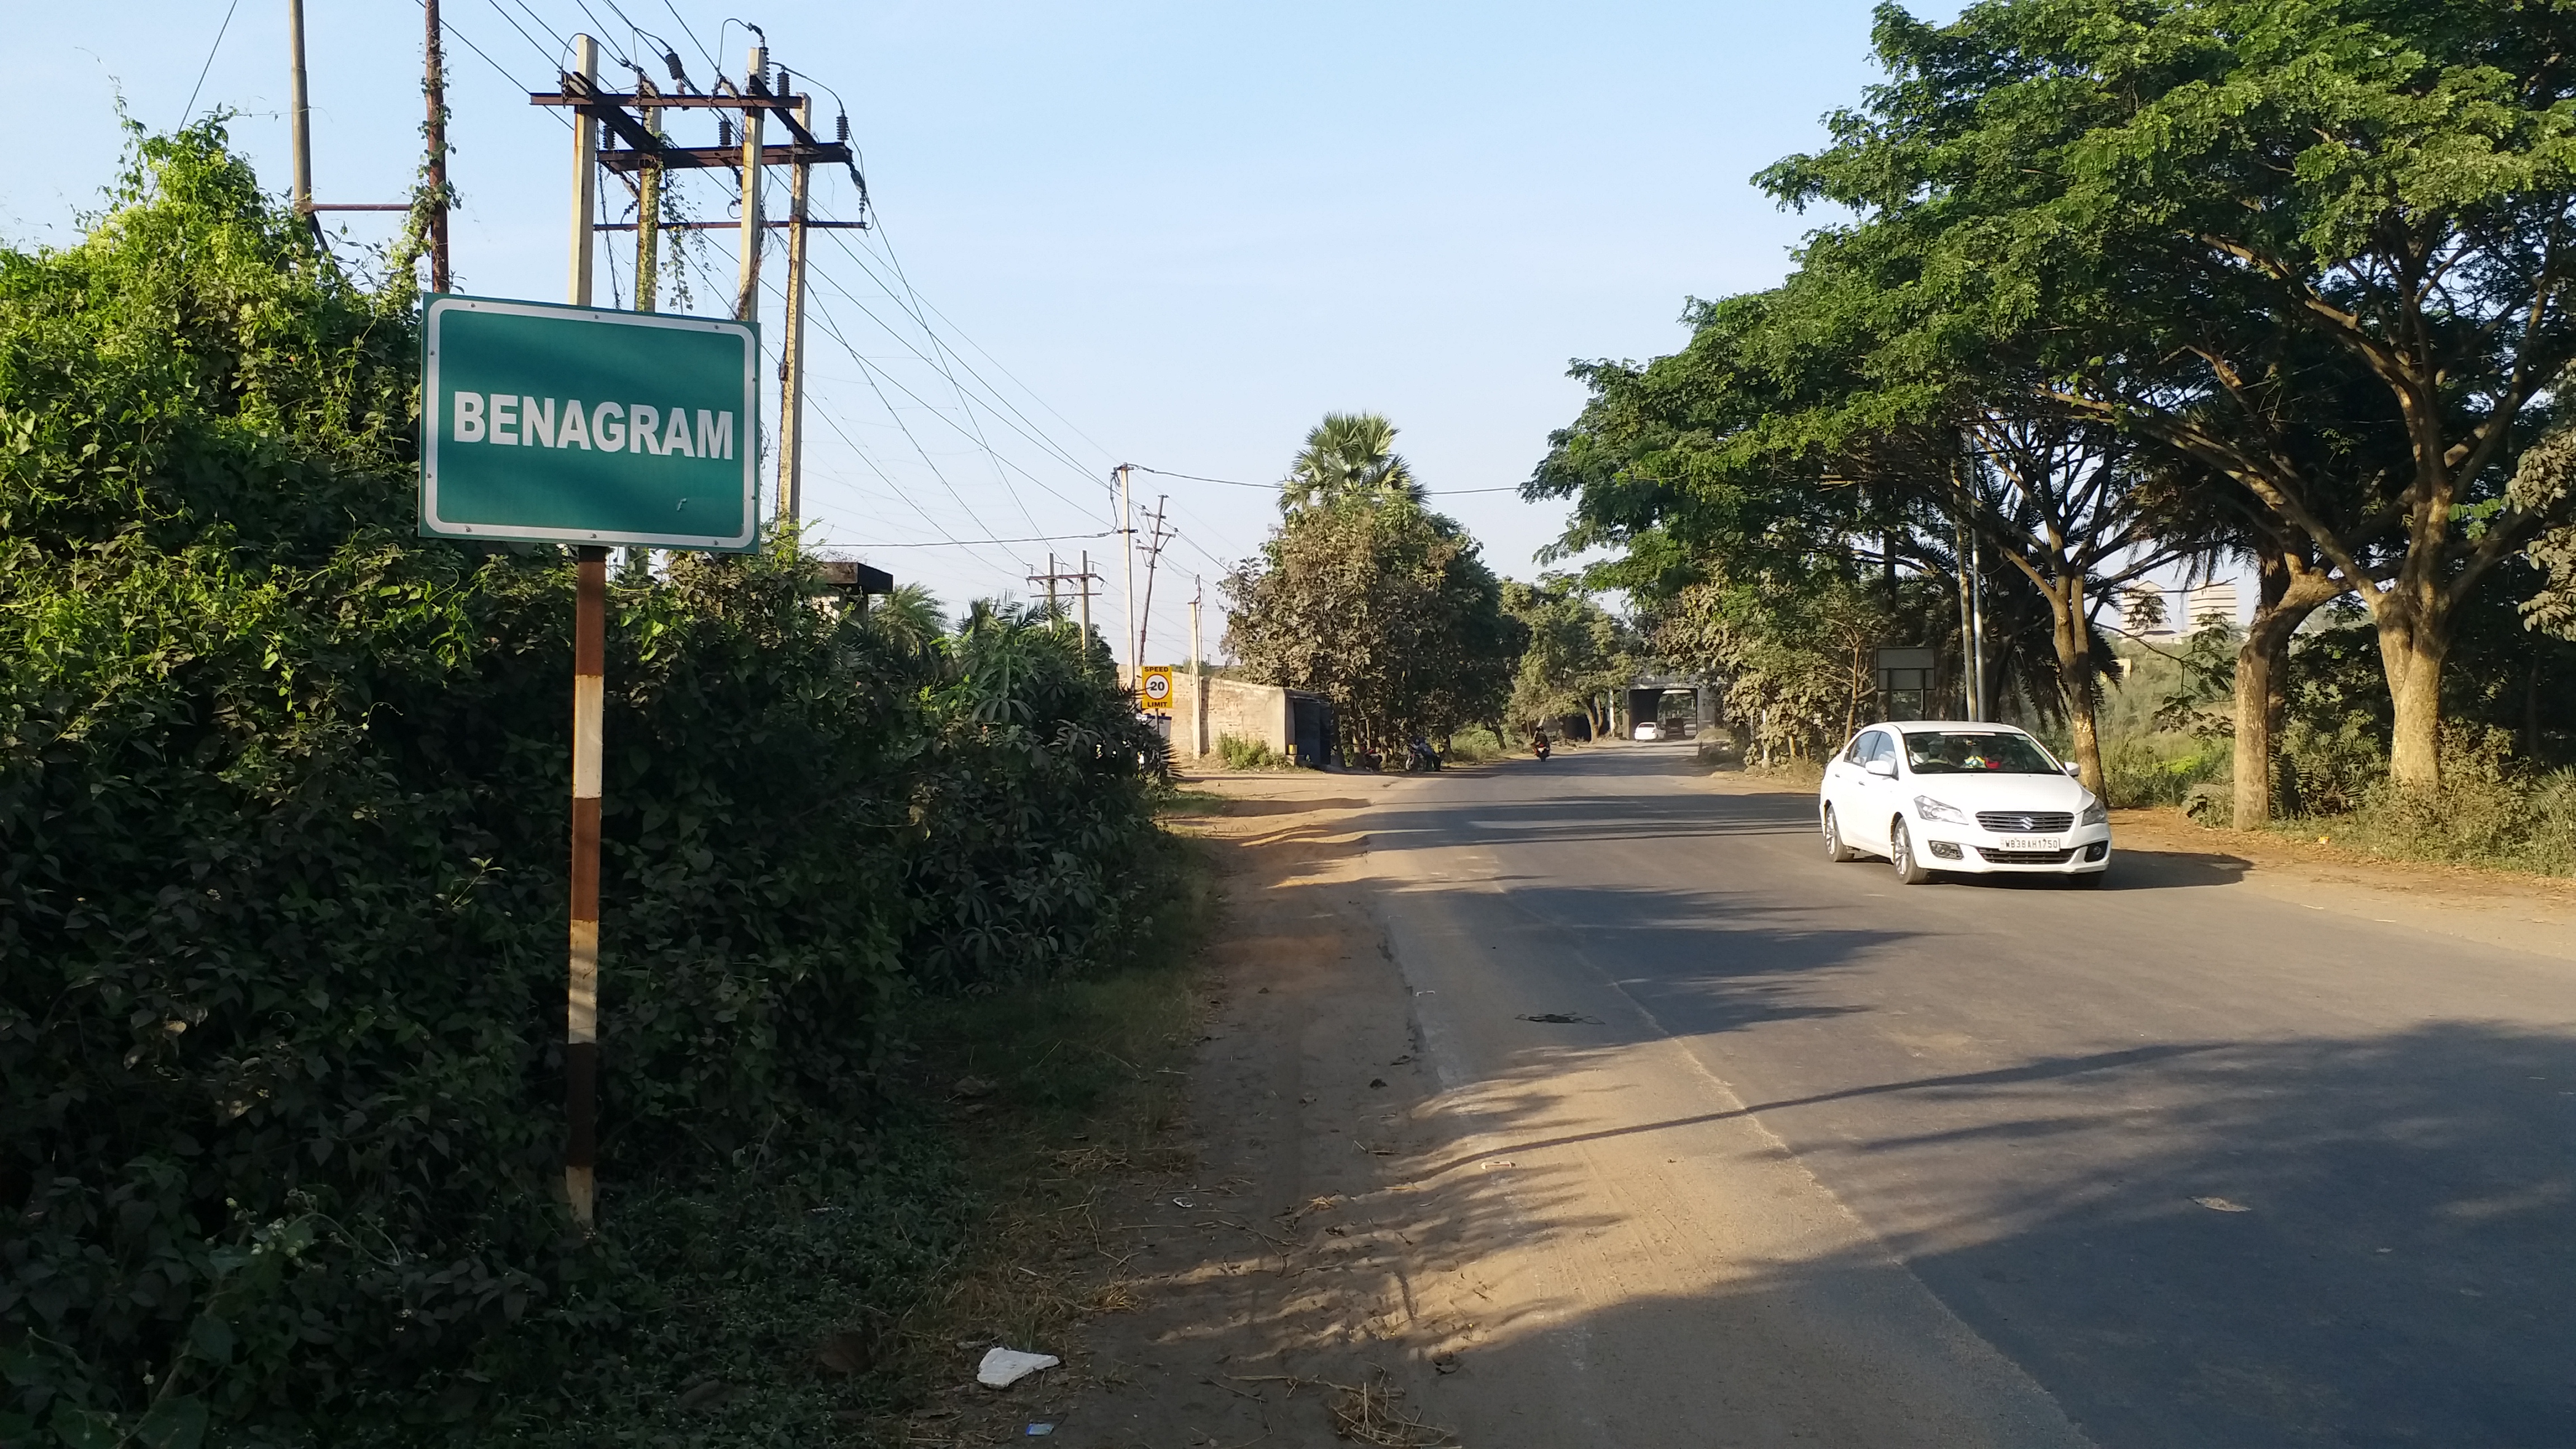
1977	613
648	211
1198	672
1054	576
746	306
300	116
302	127
1127	597
434	85
645	152
1972	661
584	80
589	703
791	349
1153	555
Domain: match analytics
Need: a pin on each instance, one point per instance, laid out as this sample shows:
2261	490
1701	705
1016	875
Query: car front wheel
1900	850
1835	850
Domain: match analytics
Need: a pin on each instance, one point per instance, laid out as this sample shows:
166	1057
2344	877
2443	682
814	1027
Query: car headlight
2097	813
1931	809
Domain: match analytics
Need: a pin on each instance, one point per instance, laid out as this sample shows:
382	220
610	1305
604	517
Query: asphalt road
1827	1159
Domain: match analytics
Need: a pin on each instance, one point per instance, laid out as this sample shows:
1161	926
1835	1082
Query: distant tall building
2145	613
2216	597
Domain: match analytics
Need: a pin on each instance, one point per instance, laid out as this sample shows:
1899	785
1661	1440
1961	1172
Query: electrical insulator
841	127
671	58
724	130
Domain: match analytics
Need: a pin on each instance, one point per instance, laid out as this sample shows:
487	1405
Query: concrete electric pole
433	84
1154	541
791	348
1198	672
1127	598
746	303
301	126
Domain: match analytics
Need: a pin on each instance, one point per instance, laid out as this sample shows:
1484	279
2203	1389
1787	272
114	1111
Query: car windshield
1975	752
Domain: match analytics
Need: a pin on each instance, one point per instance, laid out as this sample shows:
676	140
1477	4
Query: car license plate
2031	842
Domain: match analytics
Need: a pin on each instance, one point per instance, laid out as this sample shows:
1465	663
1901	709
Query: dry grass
1789	774
1066	1092
1373	1413
1366	1413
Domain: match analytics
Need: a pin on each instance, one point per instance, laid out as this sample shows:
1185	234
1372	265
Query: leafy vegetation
1368	598
2112	285
1577	658
282	874
1242	754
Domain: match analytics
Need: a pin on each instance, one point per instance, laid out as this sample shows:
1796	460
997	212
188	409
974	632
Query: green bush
1475	746
2161	770
282	886
2489	811
1242	754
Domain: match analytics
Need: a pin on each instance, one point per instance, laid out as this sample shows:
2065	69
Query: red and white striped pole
581	1016
589	698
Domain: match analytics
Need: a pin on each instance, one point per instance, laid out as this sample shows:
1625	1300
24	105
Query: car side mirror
2071	767
1883	768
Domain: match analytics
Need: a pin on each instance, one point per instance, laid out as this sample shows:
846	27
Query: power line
918	304
210	61
551	57
693	36
447	26
974	542
1031	432
873	372
1195	478
888	241
832	328
979	439
1239	483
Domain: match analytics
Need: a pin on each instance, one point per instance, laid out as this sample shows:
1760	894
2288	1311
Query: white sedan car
1984	799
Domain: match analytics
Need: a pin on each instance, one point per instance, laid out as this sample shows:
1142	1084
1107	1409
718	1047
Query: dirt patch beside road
1264	1277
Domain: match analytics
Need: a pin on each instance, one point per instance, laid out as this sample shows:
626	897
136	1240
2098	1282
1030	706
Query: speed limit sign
1158	689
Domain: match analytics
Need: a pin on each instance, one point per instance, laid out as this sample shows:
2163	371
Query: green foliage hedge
282	857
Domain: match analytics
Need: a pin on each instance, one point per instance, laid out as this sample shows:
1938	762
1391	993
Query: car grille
2025	822
2024	857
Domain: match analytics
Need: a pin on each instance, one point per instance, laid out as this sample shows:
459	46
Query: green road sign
579	425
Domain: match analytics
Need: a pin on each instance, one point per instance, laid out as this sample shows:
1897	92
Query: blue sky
1173	235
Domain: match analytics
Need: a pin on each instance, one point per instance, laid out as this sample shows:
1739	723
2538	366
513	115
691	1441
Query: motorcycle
1421	756
1540	749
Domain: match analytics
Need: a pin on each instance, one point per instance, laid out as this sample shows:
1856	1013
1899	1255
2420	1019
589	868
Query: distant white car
1947	796
1646	730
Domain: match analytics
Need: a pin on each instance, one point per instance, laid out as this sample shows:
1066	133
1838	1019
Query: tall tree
1366	597
2061	501
1348	455
2100	188
1578	654
1811	429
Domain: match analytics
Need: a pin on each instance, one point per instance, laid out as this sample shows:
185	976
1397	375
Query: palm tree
908	619
1348	455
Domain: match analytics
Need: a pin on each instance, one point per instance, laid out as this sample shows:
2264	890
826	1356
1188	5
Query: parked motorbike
1421	756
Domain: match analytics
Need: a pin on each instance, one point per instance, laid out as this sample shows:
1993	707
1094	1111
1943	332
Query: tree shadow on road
2350	1241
